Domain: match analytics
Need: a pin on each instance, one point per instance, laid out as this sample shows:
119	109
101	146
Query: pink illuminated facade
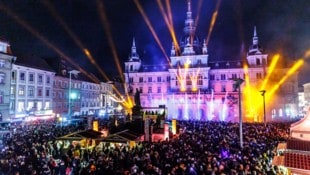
194	88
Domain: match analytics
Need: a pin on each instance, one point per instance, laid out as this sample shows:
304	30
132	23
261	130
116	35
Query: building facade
6	60
31	89
86	98
193	87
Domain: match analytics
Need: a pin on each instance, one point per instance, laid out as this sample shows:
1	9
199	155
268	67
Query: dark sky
283	26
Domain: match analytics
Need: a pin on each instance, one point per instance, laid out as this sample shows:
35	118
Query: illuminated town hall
194	87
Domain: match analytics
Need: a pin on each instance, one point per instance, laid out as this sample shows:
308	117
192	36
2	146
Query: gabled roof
121	137
79	135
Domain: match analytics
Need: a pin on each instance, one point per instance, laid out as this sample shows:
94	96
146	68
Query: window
223	88
2	78
130	80
212	77
258	76
223	77
200	82
159	89
1	97
188	81
2	63
21	91
31	77
48	80
40	79
168	78
40	92
30	91
47	92
22	76
150	79
140	89
158	79
234	76
12	90
13	76
149	90
258	61
141	80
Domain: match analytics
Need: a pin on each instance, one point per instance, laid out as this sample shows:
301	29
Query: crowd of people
203	148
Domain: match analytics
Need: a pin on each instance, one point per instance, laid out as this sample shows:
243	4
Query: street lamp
237	84
263	94
75	72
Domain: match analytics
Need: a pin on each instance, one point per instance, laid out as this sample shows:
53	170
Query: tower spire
134	55
255	38
255	48
189	22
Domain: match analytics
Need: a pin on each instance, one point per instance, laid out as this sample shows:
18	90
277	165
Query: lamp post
237	84
263	94
75	72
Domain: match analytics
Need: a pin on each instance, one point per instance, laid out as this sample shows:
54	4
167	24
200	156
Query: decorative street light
75	72
263	94
237	84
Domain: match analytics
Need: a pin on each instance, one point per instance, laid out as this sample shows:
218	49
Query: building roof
121	137
79	135
300	145
298	161
33	61
302	127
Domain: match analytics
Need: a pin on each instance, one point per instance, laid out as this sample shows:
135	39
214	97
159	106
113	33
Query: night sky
283	26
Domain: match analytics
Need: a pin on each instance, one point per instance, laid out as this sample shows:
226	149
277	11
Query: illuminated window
2	63
21	91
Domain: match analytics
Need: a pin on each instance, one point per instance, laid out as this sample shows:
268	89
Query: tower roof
134	55
255	47
190	44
